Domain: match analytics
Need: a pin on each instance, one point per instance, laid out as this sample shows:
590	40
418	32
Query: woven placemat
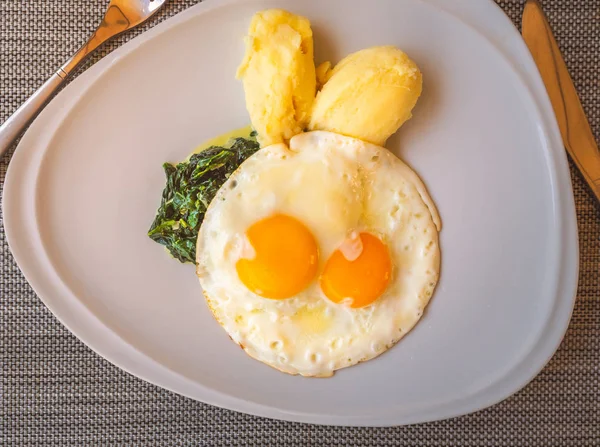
55	391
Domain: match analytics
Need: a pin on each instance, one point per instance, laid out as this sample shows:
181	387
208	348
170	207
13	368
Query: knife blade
574	127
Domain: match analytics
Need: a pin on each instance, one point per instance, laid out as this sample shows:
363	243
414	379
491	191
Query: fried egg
320	255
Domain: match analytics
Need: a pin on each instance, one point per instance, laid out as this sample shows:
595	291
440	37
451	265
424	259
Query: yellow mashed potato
278	73
368	95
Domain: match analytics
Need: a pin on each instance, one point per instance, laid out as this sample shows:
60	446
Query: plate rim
47	125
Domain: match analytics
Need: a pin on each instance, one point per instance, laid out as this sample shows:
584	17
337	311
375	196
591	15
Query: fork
120	16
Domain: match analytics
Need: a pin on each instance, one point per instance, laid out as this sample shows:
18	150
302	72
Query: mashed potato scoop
368	95
278	73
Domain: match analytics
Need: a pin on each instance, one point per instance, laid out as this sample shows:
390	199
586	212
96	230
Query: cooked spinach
191	186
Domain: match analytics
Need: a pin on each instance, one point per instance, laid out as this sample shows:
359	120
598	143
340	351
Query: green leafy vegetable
191	186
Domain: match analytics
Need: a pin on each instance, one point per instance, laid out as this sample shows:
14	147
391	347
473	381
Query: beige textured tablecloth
55	391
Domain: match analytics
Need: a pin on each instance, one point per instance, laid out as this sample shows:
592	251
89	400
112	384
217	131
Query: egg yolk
361	279
285	261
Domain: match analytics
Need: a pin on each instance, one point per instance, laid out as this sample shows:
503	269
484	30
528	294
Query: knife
575	129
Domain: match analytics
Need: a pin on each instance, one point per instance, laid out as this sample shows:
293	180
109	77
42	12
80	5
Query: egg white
334	185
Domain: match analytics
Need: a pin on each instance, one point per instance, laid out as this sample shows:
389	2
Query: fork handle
14	125
111	25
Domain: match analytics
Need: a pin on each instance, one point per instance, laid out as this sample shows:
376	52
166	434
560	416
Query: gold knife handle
576	132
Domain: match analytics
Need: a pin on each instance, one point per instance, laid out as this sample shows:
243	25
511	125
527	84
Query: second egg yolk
363	278
285	261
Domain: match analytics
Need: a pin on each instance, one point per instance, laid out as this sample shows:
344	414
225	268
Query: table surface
56	391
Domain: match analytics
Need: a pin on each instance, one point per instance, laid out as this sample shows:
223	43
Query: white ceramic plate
85	182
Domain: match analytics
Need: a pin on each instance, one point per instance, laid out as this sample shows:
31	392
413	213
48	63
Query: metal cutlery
120	16
575	129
